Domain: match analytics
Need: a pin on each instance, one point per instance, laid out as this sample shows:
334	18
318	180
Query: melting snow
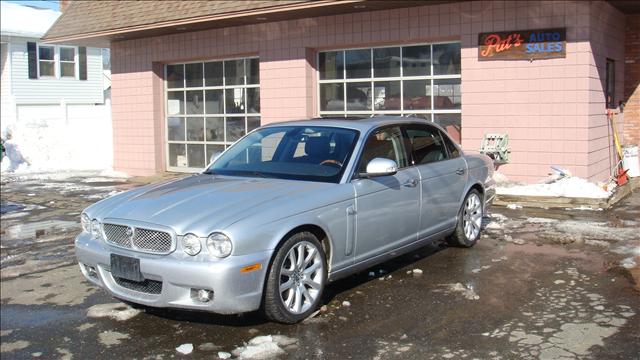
116	311
264	347
466	291
185	349
565	187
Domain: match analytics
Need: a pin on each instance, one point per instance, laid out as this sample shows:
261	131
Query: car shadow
381	270
331	291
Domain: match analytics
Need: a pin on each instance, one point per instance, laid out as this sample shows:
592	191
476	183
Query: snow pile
563	187
185	349
53	144
265	347
116	311
25	21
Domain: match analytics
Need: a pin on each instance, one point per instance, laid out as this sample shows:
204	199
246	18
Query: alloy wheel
301	277
472	216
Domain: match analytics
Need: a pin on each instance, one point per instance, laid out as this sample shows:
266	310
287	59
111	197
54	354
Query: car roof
363	125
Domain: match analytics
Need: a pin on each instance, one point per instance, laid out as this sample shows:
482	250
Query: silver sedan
283	212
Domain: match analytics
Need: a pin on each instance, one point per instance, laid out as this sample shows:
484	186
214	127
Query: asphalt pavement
538	285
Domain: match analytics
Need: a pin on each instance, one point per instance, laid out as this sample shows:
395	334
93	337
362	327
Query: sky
48	4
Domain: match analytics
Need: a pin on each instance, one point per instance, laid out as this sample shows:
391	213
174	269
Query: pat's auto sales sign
523	44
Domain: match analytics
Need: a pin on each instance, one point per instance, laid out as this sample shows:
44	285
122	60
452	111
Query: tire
469	225
302	282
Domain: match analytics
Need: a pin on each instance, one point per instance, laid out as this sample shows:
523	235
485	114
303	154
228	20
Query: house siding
55	91
7	105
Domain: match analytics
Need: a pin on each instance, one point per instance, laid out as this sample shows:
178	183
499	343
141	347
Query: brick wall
631	133
553	110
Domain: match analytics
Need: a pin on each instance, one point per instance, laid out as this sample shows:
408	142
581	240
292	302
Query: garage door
209	105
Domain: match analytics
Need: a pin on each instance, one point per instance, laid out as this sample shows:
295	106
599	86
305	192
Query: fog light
92	271
202	295
89	270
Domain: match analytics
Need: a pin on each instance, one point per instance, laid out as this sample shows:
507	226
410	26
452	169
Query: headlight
219	245
95	229
86	223
191	244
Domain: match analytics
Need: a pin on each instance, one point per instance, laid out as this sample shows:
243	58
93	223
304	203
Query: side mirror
381	167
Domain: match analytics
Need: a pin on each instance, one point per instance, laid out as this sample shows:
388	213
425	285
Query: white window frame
57	67
372	79
222	87
75	61
54	61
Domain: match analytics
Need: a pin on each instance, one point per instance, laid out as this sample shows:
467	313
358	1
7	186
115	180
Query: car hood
203	203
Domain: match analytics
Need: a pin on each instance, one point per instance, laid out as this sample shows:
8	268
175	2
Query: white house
53	96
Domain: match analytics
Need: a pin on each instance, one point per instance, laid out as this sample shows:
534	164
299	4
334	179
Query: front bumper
233	291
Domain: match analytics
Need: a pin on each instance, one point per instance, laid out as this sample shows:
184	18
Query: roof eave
240	18
116	34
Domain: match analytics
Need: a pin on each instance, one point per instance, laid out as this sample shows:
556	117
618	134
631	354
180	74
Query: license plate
126	267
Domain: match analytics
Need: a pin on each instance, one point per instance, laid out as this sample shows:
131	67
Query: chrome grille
147	286
152	240
117	234
140	239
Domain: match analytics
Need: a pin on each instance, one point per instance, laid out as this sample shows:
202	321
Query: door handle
411	183
460	171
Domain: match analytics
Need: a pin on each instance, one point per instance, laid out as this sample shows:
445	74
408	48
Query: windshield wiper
259	174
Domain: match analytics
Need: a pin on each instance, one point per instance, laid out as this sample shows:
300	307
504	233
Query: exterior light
85	221
219	245
95	229
191	244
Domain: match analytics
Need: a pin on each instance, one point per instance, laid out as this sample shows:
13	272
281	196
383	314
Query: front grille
151	240
147	286
117	234
141	239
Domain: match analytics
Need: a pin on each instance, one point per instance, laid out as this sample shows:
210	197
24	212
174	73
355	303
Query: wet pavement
539	285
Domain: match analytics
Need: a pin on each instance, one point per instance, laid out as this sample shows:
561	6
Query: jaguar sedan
287	209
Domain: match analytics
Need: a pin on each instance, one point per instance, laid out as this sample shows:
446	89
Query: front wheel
469	221
296	279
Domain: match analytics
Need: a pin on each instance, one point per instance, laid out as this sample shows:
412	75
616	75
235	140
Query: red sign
518	45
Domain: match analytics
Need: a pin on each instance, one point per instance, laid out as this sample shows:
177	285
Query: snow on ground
185	349
563	187
116	311
465	291
59	143
265	347
25	172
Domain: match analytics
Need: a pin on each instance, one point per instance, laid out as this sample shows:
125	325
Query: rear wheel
469	221
296	279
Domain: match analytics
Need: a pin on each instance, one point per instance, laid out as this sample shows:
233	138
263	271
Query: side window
454	152
427	145
384	143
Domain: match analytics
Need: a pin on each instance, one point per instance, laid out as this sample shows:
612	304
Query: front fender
332	219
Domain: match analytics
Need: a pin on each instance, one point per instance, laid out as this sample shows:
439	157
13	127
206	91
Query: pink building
189	78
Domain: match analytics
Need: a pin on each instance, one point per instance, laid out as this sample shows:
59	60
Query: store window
421	80
209	106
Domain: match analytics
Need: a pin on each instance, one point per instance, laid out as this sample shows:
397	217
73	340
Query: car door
443	175
386	207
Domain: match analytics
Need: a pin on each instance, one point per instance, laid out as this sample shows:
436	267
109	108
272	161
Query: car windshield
312	153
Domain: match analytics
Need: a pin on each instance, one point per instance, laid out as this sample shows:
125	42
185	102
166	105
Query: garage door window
209	105
421	80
